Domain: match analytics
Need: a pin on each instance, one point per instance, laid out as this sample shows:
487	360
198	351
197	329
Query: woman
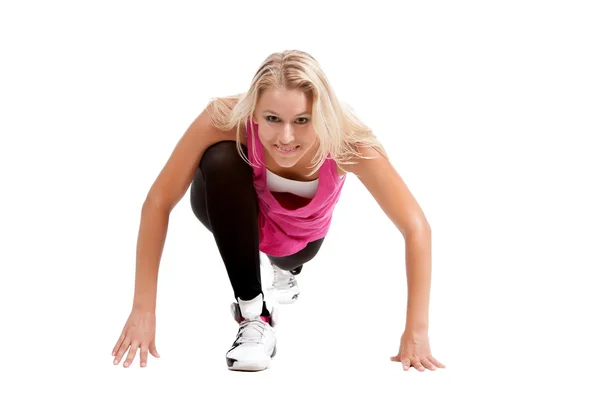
266	170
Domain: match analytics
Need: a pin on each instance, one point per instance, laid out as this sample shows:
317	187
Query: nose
287	134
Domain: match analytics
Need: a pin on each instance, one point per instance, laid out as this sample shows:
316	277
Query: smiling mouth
287	150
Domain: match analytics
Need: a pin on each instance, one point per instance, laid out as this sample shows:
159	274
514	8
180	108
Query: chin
286	162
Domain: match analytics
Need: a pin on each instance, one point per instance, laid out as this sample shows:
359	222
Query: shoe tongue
252	308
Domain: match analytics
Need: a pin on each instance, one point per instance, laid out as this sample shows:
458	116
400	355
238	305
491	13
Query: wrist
144	305
417	314
421	327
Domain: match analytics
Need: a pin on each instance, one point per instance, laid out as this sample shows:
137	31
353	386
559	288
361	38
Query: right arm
166	191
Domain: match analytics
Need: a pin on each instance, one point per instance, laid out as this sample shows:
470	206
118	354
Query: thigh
216	157
301	257
198	199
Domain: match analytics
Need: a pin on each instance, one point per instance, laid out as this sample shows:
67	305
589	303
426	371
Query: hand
139	332
414	351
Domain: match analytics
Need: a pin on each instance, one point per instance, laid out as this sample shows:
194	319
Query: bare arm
168	189
396	200
150	244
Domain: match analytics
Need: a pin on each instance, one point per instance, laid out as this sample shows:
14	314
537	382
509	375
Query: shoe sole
235	365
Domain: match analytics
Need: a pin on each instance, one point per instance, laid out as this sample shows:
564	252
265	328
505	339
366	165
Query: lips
287	149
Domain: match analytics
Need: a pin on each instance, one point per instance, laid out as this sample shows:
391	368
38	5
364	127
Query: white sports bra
278	184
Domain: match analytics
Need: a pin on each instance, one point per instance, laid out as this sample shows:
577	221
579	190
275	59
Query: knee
221	157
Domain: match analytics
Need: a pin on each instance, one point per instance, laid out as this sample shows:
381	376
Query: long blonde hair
340	133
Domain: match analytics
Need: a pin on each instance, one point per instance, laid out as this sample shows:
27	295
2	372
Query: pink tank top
285	230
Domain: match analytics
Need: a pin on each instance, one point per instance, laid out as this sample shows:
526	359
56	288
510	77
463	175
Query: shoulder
340	170
364	157
219	110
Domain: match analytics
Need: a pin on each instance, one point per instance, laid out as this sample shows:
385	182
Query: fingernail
143	364
125	364
116	361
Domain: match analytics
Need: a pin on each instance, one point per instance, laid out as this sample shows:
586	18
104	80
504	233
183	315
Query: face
284	125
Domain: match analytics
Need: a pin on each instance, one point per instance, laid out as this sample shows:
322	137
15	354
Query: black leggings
223	198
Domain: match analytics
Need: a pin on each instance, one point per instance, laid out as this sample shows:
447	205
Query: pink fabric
285	230
266	319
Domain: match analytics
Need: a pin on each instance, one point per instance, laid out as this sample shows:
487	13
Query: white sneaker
284	288
255	343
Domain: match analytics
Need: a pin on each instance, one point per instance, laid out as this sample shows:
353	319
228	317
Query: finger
153	350
417	364
406	363
143	355
131	355
427	364
436	362
121	351
119	341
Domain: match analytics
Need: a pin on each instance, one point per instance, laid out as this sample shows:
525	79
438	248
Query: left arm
395	199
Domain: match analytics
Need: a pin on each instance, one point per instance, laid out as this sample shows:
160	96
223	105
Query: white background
489	110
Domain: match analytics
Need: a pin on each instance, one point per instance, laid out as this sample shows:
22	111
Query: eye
276	119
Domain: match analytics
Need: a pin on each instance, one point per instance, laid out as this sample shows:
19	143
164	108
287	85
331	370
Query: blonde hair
340	133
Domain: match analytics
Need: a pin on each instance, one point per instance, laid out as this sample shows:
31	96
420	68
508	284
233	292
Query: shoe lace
251	330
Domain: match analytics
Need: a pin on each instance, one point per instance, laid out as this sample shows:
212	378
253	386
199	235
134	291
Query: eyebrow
273	112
